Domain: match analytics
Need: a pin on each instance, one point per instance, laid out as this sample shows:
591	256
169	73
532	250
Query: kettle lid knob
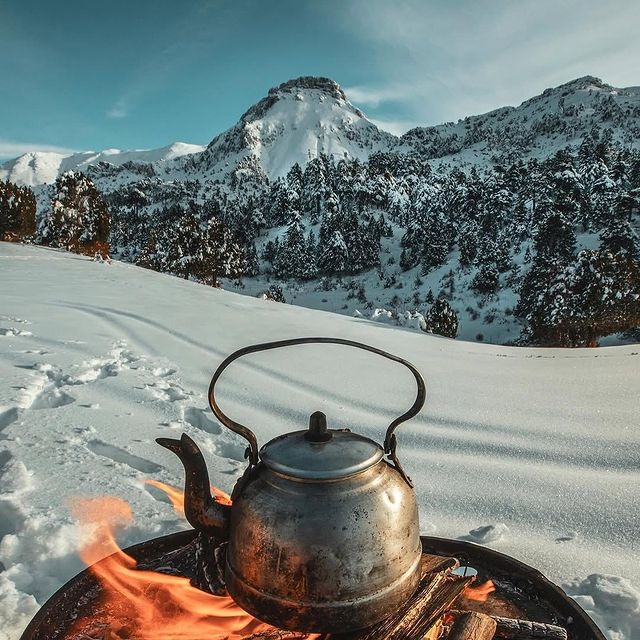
318	431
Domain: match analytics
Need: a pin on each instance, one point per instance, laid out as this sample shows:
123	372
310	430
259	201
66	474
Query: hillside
99	359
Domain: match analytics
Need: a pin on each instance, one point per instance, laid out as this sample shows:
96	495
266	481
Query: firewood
526	629
277	634
435	595
514	629
472	626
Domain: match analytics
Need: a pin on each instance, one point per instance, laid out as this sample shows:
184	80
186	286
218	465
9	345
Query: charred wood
434	596
513	629
472	625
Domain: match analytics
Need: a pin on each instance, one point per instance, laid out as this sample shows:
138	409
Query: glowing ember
479	593
146	604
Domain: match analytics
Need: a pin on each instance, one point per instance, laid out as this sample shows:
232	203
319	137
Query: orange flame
479	593
176	496
158	606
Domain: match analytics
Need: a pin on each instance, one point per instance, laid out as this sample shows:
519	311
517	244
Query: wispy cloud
396	127
12	149
119	110
375	95
444	60
187	39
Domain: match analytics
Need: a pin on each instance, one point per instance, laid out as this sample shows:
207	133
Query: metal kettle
323	531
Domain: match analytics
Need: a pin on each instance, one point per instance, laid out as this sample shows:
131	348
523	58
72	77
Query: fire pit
521	591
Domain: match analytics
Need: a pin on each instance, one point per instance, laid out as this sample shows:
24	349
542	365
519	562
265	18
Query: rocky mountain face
297	121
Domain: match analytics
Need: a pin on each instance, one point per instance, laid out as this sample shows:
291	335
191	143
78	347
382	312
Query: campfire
149	605
142	604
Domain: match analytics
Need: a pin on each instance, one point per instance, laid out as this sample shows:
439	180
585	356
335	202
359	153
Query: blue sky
141	74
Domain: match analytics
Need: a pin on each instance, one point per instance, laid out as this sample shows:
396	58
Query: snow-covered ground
535	452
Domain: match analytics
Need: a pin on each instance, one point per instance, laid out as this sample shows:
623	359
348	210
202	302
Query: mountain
307	116
538	128
516	218
297	121
43	167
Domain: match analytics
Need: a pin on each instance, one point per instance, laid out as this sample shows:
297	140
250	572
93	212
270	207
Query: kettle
323	531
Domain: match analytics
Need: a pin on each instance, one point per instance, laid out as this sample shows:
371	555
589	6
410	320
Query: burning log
433	597
279	635
526	629
472	625
513	629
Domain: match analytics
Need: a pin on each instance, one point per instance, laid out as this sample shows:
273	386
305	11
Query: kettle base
324	617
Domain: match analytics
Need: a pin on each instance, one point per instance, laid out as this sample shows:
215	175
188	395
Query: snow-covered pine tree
314	187
554	246
334	257
78	219
486	280
442	319
618	235
17	211
294	259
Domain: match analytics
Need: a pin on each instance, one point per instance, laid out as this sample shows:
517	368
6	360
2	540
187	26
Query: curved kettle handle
250	436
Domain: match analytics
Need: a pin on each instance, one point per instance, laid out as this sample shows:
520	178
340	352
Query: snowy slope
97	360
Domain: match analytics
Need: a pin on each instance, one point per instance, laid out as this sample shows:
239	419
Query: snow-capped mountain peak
297	121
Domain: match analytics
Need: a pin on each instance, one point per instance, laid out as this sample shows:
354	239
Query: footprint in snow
230	450
168	391
199	419
568	537
7	417
120	456
487	534
12	332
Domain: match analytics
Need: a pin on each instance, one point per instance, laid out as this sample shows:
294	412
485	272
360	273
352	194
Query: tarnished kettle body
323	532
324	555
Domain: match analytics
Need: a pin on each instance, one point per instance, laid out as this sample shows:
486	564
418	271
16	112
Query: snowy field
535	452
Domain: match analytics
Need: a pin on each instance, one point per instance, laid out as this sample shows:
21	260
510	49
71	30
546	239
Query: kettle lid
318	453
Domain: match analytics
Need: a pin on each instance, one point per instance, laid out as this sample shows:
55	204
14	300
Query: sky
139	74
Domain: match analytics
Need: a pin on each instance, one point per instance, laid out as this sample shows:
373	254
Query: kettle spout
201	510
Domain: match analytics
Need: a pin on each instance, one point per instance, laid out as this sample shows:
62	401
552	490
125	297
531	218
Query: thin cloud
13	149
458	59
396	127
375	96
118	111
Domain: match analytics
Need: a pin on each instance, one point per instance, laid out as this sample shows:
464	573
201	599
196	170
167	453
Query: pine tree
618	235
78	219
334	258
17	212
554	249
442	319
294	260
486	280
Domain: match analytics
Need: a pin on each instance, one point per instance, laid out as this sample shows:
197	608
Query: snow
43	167
534	452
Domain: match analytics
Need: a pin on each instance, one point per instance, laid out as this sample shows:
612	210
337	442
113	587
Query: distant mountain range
307	116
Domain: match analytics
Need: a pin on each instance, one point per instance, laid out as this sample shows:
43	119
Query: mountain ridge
303	117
